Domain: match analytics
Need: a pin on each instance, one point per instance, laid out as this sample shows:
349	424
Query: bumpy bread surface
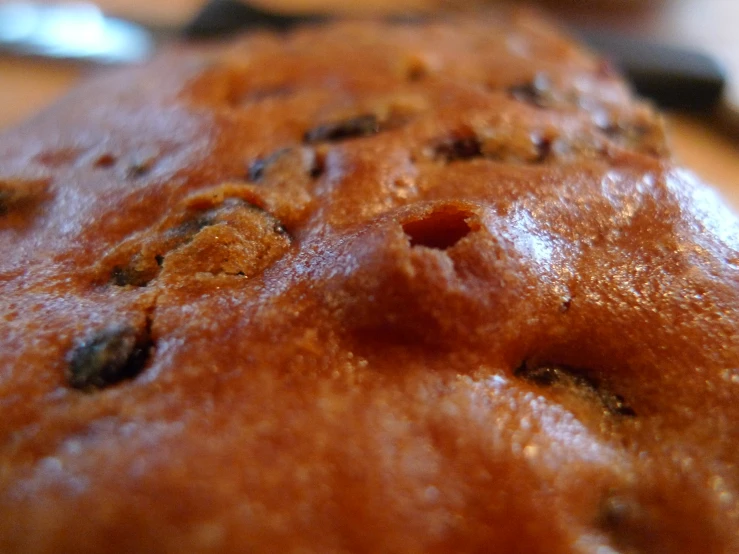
365	287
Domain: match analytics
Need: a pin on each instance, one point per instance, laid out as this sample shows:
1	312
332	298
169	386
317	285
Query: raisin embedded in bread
365	287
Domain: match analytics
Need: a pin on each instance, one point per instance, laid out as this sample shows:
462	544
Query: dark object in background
220	18
672	77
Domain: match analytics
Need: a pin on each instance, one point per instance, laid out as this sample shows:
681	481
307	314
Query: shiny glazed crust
367	287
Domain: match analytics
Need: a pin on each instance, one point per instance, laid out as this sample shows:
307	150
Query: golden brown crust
370	287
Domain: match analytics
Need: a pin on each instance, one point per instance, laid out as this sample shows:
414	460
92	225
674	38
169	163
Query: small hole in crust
441	229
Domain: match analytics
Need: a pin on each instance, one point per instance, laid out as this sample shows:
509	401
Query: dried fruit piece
553	375
105	161
537	92
141	163
285	161
133	275
458	148
360	126
108	357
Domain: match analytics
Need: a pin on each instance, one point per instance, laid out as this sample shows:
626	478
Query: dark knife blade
674	78
220	18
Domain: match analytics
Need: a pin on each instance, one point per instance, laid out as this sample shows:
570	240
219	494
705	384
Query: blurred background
700	142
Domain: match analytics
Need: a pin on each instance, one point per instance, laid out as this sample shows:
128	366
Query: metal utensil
75	31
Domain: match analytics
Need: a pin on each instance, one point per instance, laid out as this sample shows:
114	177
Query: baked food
412	286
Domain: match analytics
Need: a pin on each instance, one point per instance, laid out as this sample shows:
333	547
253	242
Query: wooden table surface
26	86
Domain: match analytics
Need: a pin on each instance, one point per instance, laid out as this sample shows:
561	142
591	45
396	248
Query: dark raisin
259	167
616	512
185	231
141	164
416	68
626	521
361	126
287	160
543	376
279	228
637	135
190	227
616	404
554	374
416	73
255	171
550	375
543	148
458	148
159	259
123	276
318	165
108	357
612	131
196	221
105	161
137	170
536	92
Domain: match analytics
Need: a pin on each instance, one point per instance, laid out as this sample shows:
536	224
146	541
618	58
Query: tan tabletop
27	86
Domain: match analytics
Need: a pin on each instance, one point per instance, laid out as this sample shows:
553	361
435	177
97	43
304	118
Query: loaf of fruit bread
405	286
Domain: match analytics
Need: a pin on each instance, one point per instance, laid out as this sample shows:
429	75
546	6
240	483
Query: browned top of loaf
368	287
